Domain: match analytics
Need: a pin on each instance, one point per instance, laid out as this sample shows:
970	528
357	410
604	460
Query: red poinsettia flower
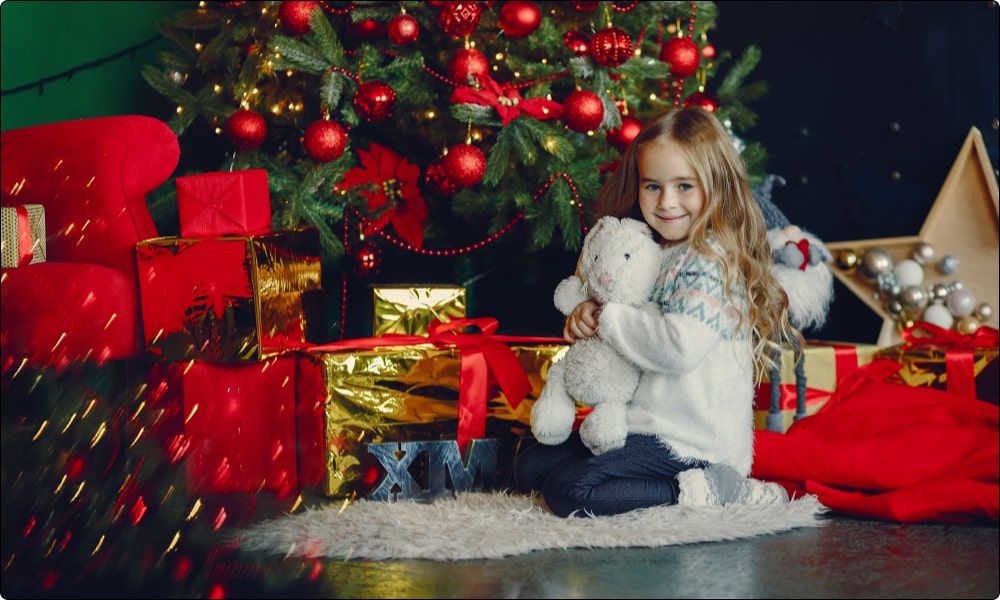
390	184
507	101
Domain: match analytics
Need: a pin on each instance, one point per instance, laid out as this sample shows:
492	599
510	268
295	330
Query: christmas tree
440	127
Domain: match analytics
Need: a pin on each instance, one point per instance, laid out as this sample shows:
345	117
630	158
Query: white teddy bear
619	262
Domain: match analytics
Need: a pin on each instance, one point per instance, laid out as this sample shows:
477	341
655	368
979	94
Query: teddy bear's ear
601	224
637	227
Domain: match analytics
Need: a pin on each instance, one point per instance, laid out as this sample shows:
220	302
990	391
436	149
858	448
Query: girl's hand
582	322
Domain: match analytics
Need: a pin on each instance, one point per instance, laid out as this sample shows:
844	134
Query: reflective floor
848	558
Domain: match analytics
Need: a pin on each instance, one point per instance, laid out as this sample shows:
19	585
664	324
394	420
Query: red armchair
92	176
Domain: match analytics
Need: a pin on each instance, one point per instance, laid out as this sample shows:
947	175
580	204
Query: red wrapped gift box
225	203
240	424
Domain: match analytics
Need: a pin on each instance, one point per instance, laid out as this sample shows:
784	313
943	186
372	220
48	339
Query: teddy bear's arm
569	293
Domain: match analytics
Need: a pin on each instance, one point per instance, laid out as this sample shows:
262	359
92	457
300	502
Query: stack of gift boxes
234	311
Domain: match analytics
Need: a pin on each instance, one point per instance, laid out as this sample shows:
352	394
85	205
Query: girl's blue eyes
652	187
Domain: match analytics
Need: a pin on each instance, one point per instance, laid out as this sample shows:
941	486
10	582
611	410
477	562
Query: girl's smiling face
670	195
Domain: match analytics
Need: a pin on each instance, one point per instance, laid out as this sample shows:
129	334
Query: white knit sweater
696	388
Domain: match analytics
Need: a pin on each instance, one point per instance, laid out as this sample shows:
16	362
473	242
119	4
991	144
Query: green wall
39	39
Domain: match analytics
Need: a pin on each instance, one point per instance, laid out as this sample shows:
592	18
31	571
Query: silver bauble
894	308
984	312
923	253
948	265
875	262
913	298
939	292
961	303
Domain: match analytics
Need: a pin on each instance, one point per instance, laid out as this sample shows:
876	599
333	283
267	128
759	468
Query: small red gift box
240	427
225	203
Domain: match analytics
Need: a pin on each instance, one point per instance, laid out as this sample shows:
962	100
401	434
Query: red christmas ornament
708	51
375	101
294	15
577	42
246	129
459	19
466	62
621	138
583	111
611	47
367	29
585	6
367	260
683	56
699	99
437	181
520	19
324	141
403	30
465	165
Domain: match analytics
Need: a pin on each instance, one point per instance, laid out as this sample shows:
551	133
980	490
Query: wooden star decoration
963	222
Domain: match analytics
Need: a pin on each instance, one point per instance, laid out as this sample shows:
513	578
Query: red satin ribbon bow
959	351
507	101
25	246
482	354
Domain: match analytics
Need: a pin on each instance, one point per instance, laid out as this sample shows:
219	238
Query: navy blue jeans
642	473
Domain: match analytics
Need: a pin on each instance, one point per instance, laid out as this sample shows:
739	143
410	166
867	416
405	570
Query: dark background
859	90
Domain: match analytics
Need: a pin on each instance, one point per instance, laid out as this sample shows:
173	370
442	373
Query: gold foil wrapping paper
822	375
409	309
399	393
925	366
232	298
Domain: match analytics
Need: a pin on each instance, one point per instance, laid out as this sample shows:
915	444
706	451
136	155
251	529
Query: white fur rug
495	525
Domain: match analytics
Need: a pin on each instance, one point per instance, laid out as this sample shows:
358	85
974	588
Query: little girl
721	311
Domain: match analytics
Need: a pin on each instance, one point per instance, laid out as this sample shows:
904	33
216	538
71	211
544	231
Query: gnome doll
800	264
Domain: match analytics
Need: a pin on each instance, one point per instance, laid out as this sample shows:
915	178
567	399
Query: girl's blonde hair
730	212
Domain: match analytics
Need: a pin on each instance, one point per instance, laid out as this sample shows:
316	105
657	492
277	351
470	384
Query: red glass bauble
583	111
459	19
611	47
246	129
464	164
367	259
683	56
520	19
577	43
294	15
466	62
375	101
367	29
699	99
438	181
621	138
403	30
324	141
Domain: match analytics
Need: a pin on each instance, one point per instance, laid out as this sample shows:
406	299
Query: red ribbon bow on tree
507	101
959	351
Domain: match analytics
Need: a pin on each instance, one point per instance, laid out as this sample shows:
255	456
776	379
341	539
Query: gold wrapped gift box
927	366
826	363
409	309
350	398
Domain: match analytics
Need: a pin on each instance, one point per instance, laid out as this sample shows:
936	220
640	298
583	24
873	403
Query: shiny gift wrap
22	241
230	299
947	360
826	364
409	309
407	392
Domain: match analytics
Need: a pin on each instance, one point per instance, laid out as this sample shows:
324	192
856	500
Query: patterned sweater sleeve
694	315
